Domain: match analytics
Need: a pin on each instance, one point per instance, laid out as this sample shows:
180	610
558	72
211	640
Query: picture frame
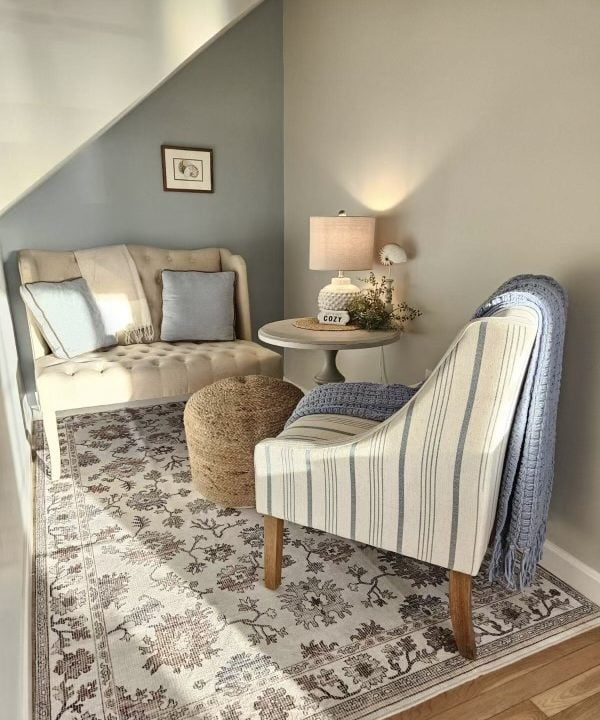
187	169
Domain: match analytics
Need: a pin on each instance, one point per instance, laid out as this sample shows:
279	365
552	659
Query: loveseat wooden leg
273	554
461	613
51	433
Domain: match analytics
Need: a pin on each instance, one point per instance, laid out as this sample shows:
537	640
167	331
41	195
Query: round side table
284	333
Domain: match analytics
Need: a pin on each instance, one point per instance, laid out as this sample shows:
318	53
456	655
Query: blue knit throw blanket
360	399
522	513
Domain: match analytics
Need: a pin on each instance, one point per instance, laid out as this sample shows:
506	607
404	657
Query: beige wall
471	128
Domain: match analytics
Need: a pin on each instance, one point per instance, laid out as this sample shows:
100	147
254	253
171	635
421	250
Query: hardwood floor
561	682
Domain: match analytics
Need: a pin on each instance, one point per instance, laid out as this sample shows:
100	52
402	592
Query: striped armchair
423	483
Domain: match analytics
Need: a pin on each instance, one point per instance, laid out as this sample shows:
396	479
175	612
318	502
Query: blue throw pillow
68	316
197	305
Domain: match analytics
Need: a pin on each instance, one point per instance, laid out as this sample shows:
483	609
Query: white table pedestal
329	372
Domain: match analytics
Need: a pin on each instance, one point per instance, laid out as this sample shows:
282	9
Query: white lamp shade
341	243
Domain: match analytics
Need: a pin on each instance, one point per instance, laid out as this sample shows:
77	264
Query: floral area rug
150	605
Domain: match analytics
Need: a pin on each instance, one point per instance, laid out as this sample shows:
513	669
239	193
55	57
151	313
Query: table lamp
340	243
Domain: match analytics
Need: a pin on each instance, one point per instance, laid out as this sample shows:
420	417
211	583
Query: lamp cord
382	369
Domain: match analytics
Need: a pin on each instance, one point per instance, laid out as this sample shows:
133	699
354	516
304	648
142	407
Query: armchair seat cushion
313	430
146	371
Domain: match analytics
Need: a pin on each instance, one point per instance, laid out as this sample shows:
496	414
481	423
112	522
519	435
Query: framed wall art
187	169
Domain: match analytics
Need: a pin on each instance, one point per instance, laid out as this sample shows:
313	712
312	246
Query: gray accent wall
229	98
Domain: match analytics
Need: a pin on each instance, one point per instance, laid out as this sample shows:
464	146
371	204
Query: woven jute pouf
223	422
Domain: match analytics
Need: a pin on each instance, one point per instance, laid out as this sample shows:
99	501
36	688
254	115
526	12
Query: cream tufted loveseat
157	370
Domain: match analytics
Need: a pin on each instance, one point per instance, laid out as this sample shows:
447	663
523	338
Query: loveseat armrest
237	264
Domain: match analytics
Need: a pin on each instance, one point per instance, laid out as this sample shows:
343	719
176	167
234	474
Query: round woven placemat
311	323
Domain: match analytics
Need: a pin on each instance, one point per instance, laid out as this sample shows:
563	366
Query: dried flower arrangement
372	308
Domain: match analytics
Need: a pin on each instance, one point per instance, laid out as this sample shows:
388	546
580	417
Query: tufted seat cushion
139	372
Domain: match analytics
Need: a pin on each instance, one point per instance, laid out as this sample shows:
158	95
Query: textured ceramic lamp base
334	300
329	373
337	294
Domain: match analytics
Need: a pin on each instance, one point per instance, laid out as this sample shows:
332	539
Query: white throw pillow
68	316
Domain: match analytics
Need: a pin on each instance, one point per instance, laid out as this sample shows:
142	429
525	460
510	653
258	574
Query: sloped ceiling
70	69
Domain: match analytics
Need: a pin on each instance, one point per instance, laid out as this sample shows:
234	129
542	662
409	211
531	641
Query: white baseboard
574	572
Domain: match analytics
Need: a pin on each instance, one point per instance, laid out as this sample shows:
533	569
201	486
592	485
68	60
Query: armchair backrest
54	266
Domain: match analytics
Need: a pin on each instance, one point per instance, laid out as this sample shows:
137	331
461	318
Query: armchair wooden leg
461	614
273	551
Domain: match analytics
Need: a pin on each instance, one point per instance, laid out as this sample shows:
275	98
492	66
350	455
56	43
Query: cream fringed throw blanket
115	283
